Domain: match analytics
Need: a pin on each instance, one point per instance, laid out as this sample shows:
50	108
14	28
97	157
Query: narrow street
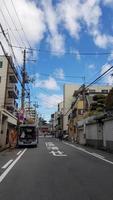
56	170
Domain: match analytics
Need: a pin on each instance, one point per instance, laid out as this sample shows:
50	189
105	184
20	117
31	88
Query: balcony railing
12	91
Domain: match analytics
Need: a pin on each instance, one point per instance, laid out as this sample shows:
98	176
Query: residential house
80	107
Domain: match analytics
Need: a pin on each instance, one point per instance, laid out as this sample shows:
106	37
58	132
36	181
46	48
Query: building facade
81	105
68	91
9	94
8	85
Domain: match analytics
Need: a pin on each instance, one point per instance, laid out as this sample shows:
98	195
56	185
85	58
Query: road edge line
92	154
3	175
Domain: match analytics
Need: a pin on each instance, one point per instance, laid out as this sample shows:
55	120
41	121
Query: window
1	64
0	79
105	91
92	90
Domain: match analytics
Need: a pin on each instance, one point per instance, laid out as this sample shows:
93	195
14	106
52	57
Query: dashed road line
19	152
92	154
7	164
3	175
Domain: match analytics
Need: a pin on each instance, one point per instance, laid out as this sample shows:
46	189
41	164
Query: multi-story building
8	96
31	114
8	88
68	98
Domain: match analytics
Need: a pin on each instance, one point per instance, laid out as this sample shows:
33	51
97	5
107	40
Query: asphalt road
56	171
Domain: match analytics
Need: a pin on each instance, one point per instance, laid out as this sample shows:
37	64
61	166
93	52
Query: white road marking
11	166
54	149
19	152
93	154
7	164
57	153
97	155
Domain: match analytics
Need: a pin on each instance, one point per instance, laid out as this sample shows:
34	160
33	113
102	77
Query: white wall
82	136
107	131
91	132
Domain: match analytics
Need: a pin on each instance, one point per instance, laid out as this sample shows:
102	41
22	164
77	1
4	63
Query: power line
9	61
8	26
13	22
99	77
9	43
20	23
68	52
83	87
47	92
67	76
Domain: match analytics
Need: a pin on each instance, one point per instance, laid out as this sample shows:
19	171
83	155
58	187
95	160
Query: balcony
11	105
12	78
12	91
13	75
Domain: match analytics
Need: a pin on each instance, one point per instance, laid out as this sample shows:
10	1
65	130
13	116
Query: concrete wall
81	135
3	133
108	134
94	135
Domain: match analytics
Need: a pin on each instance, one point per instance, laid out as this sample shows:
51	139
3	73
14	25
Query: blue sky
61	30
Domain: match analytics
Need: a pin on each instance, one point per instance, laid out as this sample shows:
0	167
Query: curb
3	149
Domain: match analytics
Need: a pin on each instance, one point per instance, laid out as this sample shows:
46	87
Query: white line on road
19	152
7	164
93	154
57	153
11	166
97	155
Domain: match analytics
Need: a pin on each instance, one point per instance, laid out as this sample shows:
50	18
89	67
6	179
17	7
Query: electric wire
8	26
68	52
20	23
13	23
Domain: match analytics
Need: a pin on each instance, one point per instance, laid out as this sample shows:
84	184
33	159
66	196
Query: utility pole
84	98
29	101
23	80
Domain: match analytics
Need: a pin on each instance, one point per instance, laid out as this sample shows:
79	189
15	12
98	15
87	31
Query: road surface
56	171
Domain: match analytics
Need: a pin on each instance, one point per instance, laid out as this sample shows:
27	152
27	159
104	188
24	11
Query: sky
62	33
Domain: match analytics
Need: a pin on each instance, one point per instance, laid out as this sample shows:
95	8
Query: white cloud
53	19
91	66
102	40
107	2
91	13
108	79
49	83
50	101
77	55
69	14
73	14
59	73
32	20
55	39
110	57
56	44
